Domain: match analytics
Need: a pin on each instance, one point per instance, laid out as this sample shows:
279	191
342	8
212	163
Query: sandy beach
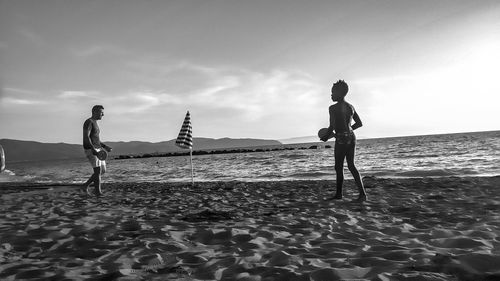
410	229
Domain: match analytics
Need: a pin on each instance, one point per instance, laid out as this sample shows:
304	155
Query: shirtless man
92	144
341	115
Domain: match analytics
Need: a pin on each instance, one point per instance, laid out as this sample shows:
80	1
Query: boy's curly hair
340	87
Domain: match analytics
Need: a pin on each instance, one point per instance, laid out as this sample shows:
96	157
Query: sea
462	154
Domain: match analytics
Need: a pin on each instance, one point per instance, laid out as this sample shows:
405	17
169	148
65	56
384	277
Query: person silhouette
341	115
92	145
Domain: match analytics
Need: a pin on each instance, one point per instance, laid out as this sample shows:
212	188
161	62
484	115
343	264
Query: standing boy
91	145
341	115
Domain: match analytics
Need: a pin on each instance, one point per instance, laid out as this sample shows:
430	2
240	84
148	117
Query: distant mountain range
18	150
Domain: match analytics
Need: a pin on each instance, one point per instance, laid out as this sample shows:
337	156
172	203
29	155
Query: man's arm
357	121
106	147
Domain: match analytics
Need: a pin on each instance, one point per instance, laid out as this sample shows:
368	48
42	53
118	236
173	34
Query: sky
246	69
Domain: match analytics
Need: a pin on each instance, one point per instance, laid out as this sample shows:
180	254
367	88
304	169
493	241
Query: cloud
259	95
32	37
96	50
137	102
11	96
255	94
250	103
15	91
218	88
226	101
16	101
78	94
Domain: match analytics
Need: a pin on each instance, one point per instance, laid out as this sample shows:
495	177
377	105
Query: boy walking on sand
341	115
92	144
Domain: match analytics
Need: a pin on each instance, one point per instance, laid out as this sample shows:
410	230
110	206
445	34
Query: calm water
468	154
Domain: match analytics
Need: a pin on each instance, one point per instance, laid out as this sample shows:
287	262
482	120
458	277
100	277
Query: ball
102	155
322	134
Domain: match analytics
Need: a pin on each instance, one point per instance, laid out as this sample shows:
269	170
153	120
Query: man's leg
86	185
89	181
97	181
95	164
102	164
354	171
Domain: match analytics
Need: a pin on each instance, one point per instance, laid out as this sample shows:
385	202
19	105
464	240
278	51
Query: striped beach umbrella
185	138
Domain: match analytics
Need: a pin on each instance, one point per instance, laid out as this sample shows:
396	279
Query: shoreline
347	176
429	228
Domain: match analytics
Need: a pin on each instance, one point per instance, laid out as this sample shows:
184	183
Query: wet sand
410	229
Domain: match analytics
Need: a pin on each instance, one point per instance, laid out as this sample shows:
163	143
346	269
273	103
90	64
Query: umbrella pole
191	161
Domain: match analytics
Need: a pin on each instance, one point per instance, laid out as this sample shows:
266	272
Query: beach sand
410	229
